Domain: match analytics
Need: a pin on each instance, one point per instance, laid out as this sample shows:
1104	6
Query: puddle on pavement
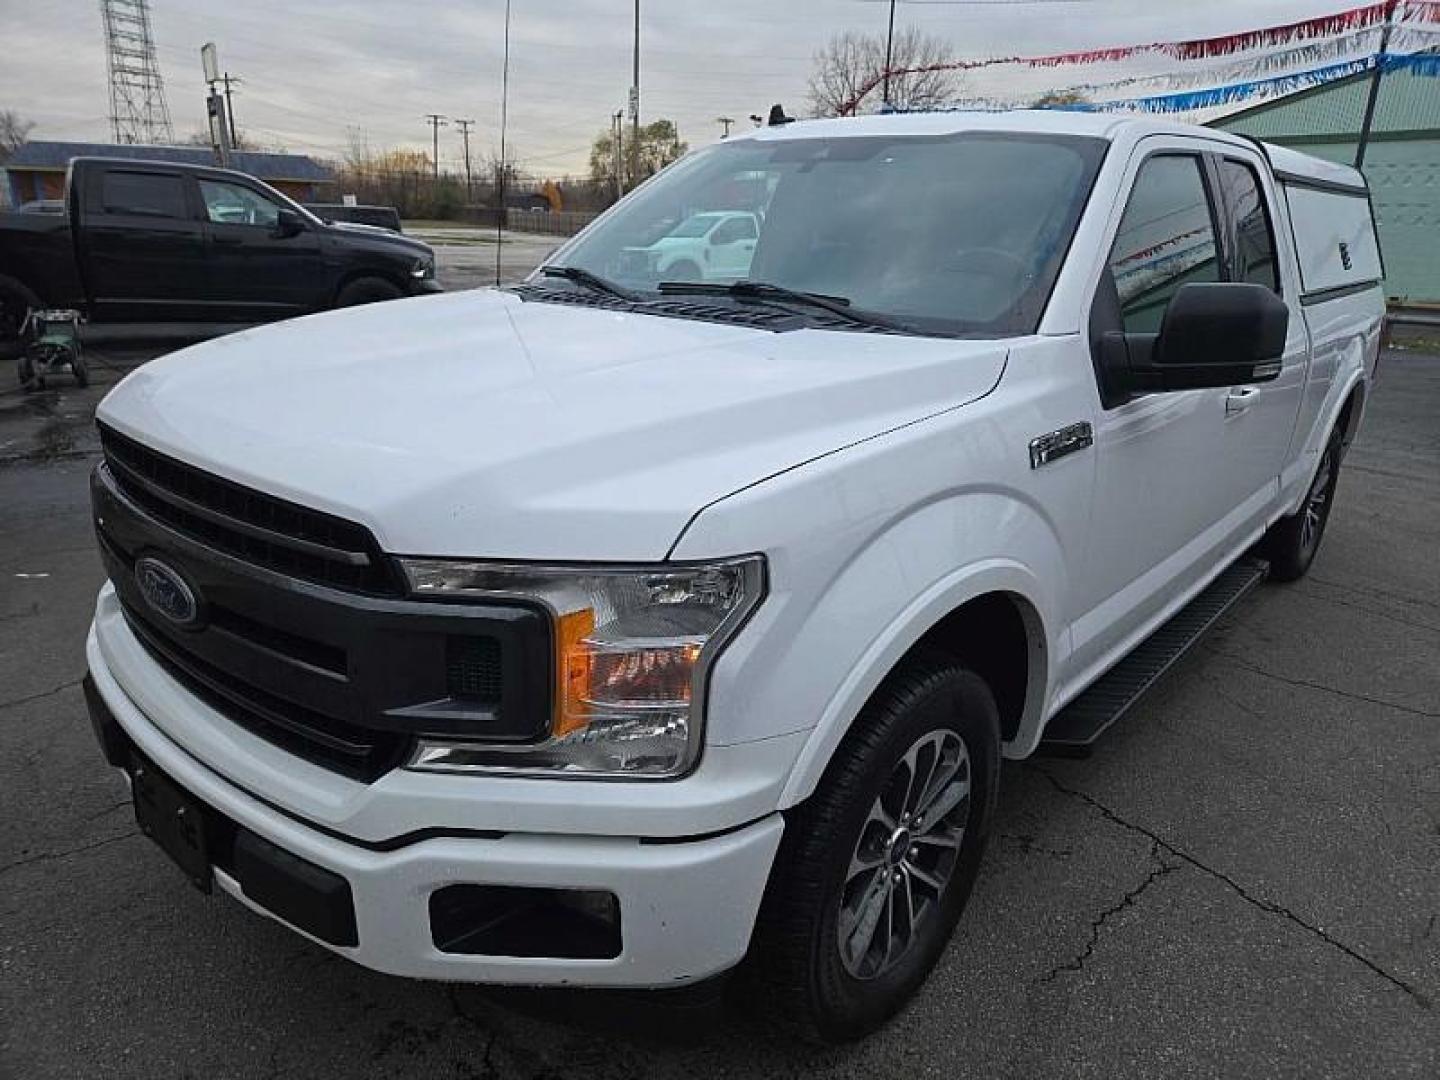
45	426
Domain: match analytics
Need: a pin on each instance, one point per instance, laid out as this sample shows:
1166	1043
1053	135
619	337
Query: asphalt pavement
1244	881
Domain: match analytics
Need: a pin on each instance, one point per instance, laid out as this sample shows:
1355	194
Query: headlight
633	648
423	269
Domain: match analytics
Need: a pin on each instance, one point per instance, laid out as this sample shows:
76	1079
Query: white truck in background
614	629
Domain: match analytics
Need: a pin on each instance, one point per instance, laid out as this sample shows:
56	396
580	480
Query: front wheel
876	867
367	290
1292	542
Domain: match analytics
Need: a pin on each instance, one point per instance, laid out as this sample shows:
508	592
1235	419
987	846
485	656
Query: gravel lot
1244	880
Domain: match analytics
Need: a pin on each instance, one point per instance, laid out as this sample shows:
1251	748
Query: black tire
684	270
1292	542
16	299
367	290
25	373
80	370
796	961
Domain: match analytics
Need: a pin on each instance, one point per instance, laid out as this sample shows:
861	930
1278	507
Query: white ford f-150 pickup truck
610	629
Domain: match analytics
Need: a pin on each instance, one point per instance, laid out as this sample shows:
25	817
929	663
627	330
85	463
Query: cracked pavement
1243	881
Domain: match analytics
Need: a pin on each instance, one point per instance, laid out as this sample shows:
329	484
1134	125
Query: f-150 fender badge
1056	444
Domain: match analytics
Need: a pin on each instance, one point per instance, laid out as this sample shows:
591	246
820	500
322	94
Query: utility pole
436	122
889	47
724	122
617	128
465	126
222	130
635	105
227	79
1374	97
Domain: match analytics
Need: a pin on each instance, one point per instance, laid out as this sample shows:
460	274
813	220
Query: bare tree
13	132
852	64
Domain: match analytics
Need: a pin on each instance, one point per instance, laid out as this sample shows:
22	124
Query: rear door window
1167	239
1254	235
142	194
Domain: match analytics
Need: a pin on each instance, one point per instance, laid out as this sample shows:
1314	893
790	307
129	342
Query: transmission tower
138	113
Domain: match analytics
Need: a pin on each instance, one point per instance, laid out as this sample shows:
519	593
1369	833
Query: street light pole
635	105
500	214
617	124
889	47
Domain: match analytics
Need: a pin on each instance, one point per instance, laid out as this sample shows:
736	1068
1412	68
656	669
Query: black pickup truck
147	241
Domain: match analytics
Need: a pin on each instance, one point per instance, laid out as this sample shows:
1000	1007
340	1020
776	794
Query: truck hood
480	424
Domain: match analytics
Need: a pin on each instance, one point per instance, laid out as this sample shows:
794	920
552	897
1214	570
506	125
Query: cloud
313	73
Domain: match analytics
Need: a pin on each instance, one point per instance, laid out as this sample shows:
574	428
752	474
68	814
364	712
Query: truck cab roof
1108	126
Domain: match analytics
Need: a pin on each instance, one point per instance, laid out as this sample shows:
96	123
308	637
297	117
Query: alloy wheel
1315	502
906	853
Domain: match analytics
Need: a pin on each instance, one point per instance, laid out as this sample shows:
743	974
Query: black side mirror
1212	334
288	223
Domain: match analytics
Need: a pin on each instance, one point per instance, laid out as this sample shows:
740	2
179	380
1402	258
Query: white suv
615	627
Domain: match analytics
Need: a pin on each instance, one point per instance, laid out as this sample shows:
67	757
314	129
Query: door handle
1240	399
227	241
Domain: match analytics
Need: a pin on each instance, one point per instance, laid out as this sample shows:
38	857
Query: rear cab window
143	194
1253	255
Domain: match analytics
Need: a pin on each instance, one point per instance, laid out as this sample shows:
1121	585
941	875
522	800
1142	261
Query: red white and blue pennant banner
1323	48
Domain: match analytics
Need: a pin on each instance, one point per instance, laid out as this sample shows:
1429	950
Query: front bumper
686	906
425	286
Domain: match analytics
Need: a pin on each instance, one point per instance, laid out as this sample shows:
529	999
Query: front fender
848	601
997	575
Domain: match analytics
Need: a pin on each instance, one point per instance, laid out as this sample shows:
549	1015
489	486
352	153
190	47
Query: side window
733	230
1166	239
1254	236
143	194
234	204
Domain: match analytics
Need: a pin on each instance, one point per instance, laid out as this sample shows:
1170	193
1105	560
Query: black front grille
251	525
359	752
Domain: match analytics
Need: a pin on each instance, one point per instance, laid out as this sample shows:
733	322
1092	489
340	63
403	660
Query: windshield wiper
764	290
592	281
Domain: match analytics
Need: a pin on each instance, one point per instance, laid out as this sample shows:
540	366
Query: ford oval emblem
166	592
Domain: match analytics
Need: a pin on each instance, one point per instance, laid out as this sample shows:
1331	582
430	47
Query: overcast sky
314	71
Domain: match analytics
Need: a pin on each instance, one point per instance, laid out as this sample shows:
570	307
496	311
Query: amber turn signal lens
572	667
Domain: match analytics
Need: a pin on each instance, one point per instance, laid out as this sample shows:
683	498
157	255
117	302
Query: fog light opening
520	921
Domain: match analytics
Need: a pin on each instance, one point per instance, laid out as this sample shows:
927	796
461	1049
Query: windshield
952	234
